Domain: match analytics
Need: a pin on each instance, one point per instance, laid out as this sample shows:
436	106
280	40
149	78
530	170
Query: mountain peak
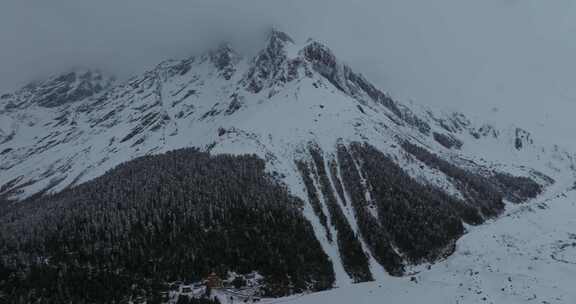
275	35
276	43
269	65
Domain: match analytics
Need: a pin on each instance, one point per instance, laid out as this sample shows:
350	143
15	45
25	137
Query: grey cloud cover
514	55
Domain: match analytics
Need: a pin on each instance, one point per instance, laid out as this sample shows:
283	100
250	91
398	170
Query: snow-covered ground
526	256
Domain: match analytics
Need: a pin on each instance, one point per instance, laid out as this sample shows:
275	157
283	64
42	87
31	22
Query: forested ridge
159	219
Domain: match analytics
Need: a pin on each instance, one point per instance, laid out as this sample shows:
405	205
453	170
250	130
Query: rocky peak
325	62
319	54
224	59
270	65
278	39
340	75
354	84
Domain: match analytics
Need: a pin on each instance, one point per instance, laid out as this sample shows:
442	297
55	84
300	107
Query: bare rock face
523	138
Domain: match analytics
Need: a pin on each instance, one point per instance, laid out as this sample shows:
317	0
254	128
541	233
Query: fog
505	60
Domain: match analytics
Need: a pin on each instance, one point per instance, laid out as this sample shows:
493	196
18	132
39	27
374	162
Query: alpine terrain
281	173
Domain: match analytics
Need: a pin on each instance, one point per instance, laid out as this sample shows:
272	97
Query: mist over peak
443	54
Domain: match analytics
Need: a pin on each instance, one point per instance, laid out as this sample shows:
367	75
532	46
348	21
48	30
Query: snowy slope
276	104
528	256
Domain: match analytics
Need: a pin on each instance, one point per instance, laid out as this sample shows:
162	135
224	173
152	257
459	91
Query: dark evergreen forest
412	222
158	219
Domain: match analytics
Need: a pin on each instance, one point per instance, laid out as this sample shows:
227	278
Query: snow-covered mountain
73	127
334	139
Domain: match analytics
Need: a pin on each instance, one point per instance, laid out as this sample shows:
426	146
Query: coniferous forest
158	219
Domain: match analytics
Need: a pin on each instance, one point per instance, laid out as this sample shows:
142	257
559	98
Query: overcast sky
471	55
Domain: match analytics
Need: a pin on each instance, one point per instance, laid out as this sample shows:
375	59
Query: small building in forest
213	281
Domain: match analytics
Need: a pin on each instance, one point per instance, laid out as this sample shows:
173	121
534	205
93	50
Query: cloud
516	55
40	37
